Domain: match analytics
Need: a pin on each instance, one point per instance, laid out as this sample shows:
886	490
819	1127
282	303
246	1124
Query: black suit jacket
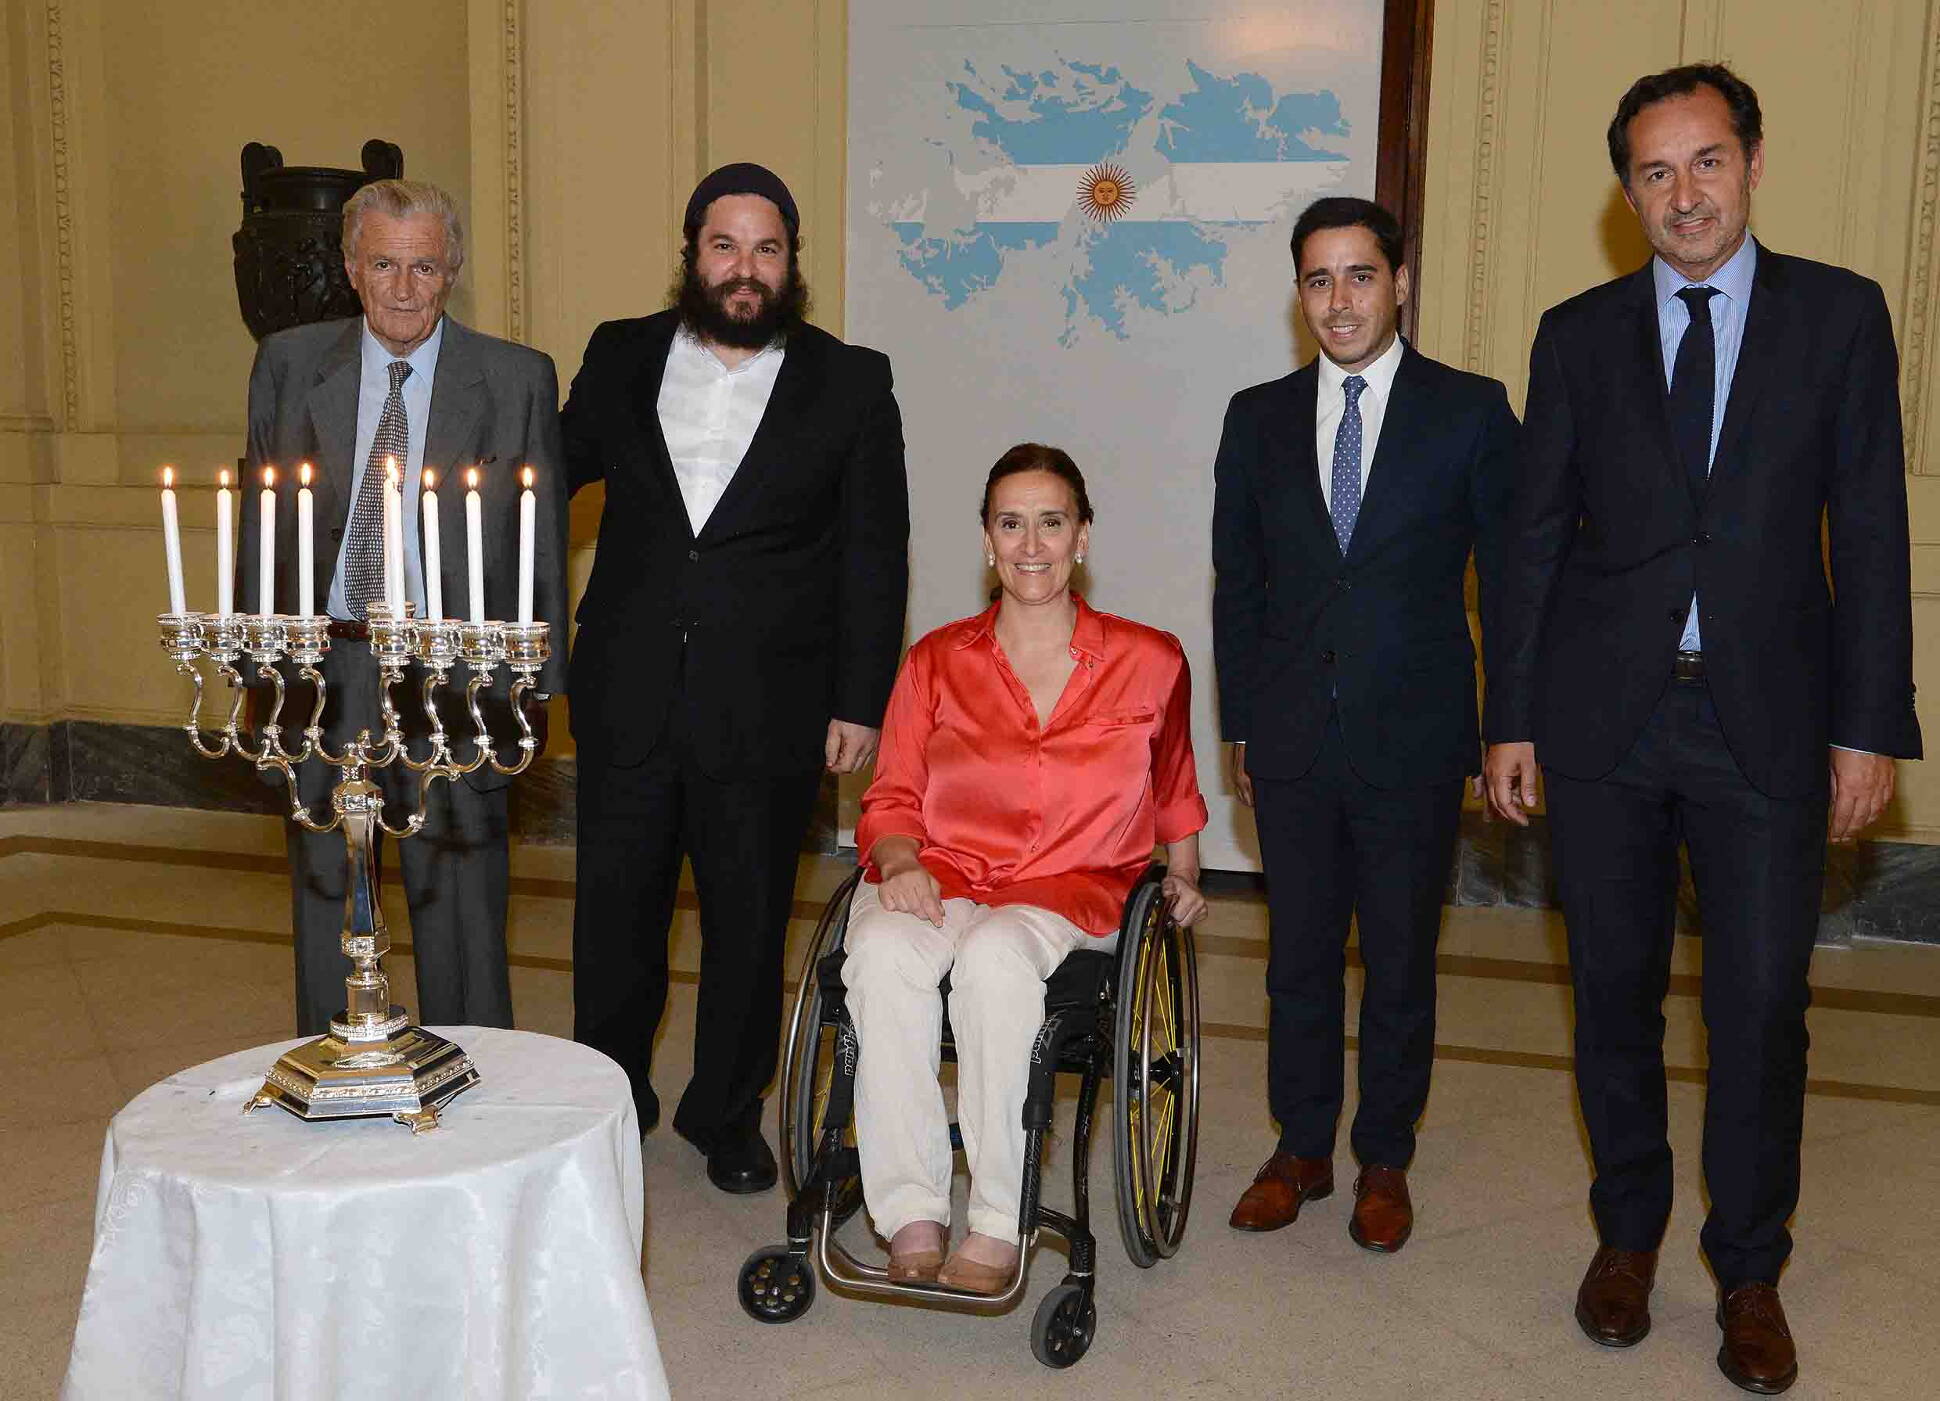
1610	538
1384	628
790	600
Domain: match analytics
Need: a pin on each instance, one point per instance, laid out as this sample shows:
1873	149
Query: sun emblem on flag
1106	192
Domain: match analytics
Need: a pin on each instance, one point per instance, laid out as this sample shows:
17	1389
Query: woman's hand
1182	893
1181	884
907	886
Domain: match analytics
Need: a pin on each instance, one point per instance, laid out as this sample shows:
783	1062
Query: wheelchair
1130	1014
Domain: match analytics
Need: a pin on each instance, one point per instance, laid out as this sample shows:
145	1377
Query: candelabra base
408	1076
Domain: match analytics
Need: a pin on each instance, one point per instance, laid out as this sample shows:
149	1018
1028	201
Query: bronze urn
289	250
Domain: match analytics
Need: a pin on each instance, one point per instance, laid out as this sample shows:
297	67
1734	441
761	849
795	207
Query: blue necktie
1694	386
1347	463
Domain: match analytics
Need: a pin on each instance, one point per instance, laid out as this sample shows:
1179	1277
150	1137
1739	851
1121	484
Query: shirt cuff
1850	750
1179	820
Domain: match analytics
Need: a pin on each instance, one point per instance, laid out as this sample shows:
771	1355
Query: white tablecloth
496	1257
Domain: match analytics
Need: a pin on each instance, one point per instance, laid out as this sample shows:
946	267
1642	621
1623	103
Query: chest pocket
1120	719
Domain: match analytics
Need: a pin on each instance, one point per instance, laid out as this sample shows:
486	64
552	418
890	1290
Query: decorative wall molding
57	100
511	60
1488	99
1915	327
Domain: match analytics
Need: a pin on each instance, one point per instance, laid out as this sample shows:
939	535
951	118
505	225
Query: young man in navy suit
1350	495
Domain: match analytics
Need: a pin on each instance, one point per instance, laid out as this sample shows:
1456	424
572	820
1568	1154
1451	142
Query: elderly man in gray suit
405	381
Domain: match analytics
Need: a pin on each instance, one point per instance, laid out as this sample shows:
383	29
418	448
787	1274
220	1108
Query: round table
497	1256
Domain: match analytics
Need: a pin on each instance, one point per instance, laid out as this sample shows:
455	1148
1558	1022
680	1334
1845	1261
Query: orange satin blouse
1063	818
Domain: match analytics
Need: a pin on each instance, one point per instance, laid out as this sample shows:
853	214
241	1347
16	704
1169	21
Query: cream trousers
997	960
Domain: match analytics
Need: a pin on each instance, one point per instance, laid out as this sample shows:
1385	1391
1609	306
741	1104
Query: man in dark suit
405	381
738	636
1349	497
1672	655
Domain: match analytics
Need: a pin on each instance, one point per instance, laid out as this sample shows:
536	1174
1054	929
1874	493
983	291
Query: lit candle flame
222	478
525	478
471	479
303	474
390	470
168	478
430	480
269	478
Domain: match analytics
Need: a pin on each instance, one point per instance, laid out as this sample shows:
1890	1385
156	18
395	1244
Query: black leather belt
1688	666
349	632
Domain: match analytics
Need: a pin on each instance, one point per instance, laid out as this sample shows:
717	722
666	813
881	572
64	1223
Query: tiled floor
134	942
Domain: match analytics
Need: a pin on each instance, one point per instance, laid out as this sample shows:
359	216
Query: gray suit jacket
494	404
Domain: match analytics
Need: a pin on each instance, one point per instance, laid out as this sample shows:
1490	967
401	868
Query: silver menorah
373	1061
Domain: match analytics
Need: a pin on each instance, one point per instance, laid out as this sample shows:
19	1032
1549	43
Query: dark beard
703	309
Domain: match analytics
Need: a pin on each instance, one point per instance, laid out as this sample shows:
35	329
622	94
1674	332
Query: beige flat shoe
914	1266
973	1277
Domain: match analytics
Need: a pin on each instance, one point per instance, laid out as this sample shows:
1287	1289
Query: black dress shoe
742	1164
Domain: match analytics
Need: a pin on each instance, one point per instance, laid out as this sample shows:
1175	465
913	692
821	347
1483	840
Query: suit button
1703	537
1676	615
693	554
1342	584
1327	658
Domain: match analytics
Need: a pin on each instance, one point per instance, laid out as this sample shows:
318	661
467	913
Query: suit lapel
1760	341
457	402
1402	423
796	385
1298	425
333	428
1652	393
642	403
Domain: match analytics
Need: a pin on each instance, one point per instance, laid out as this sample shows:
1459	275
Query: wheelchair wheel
1155	1067
808	1061
1063	1326
776	1285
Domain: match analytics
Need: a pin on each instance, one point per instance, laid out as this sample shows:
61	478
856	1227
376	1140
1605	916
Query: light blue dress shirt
1733	284
374	384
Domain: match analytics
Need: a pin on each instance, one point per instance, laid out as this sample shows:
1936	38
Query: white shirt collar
1379	375
688	340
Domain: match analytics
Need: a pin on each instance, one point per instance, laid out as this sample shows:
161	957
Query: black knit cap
741	178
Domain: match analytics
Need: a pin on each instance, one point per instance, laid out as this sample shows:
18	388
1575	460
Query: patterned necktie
1694	379
364	538
1347	463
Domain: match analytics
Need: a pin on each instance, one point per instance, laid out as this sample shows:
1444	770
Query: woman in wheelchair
1031	758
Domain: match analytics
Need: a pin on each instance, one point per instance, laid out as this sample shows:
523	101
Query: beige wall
575	128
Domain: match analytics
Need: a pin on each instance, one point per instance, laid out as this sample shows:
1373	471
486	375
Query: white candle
306	545
475	545
434	583
393	539
172	543
266	547
225	547
528	518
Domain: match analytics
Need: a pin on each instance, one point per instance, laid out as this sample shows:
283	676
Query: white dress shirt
373	387
1331	404
709	414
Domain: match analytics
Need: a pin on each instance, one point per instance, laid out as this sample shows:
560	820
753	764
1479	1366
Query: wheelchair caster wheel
1061	1331
776	1286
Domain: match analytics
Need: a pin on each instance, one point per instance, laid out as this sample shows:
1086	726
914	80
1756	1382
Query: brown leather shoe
1757	1353
1613	1302
1279	1189
1383	1215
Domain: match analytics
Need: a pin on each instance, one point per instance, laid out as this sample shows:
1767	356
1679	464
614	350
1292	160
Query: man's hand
537	718
1862	786
1509	778
907	886
849	748
1242	780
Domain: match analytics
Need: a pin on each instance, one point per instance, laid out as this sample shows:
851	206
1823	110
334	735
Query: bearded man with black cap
739	635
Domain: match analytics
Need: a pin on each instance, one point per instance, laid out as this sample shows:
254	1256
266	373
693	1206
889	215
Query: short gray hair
400	199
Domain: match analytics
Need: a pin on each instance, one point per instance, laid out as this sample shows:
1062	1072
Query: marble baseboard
1874	890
